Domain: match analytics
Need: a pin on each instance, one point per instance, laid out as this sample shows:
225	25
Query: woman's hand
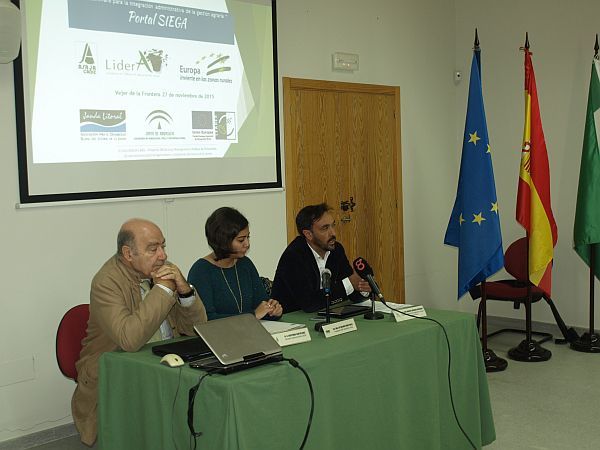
270	307
276	308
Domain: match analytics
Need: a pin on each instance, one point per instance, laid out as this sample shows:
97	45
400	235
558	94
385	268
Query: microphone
326	283
326	280
363	269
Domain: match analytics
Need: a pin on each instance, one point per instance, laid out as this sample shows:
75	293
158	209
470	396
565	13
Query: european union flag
474	225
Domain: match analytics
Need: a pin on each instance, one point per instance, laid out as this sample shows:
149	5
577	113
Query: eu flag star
461	219
494	207
478	218
474	138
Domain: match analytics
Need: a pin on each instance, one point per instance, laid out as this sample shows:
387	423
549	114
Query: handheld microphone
326	280
363	269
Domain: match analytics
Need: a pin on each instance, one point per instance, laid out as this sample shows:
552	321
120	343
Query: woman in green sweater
226	279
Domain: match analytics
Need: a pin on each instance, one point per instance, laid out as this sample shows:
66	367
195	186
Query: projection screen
124	98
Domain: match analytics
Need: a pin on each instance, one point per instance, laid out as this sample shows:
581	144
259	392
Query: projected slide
129	98
127	91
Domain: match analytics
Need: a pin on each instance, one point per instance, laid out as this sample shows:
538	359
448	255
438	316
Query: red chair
518	291
71	331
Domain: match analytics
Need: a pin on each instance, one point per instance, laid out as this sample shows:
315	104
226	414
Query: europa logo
149	61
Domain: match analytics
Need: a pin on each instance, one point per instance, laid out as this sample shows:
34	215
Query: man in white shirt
297	283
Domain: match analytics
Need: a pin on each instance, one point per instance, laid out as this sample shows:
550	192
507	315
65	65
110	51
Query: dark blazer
297	279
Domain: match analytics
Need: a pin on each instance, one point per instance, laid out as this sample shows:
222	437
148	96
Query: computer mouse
172	360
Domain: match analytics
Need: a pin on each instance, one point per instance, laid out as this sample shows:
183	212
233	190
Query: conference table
384	386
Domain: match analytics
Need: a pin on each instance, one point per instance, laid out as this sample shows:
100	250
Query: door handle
346	205
346	219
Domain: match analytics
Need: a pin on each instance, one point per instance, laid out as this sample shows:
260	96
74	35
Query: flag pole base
589	343
493	363
529	351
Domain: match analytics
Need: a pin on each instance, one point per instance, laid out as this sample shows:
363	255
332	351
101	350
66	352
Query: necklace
241	302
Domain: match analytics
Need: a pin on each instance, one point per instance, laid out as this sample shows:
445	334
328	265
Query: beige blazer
120	320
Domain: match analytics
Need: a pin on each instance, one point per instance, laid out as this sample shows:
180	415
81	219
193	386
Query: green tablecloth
384	386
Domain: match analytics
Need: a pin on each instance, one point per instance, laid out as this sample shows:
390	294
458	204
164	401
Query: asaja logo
86	62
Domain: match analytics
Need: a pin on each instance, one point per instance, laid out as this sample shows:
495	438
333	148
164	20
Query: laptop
237	343
188	349
344	309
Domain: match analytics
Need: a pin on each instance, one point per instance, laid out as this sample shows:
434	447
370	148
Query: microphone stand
373	315
319	325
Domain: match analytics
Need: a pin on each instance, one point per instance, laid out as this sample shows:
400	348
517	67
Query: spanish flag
534	211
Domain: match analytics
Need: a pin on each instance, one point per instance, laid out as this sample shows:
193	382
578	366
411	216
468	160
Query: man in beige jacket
136	297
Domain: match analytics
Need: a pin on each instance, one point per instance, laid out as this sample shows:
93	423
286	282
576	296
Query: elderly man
297	283
136	297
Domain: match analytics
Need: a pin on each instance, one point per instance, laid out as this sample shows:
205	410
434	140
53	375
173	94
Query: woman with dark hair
226	279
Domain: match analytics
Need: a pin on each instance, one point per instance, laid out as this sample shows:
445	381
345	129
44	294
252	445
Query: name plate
417	311
292	336
337	328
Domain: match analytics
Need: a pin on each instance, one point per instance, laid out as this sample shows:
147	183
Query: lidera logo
151	61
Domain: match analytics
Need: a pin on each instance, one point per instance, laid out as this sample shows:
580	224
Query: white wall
52	252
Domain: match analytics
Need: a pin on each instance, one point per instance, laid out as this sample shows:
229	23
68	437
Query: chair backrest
71	331
268	285
515	259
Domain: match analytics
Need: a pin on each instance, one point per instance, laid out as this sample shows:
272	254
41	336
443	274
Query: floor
550	405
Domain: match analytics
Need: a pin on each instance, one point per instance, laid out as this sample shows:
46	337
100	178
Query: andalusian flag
474	225
534	211
587	214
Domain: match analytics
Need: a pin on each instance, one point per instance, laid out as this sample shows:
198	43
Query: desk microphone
326	280
364	271
326	283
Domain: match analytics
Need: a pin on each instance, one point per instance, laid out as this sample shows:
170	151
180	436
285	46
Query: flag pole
590	342
493	363
528	349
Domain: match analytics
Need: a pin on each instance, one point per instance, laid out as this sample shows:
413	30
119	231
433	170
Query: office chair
268	285
71	331
518	291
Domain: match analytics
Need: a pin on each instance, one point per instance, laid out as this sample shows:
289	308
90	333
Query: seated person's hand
262	310
359	284
276	308
270	307
170	276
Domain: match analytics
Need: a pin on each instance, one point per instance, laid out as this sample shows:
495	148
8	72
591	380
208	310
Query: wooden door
342	146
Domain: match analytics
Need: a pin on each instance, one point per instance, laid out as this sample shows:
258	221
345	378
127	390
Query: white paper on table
379	306
273	326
